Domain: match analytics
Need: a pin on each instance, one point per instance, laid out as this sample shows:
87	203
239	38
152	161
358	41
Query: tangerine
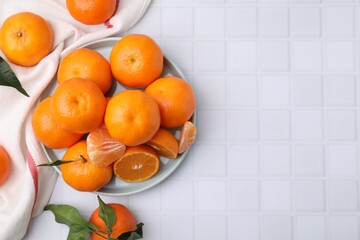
81	174
138	163
164	143
48	131
87	64
125	222
132	117
26	38
91	11
103	150
78	105
136	60
5	164
175	98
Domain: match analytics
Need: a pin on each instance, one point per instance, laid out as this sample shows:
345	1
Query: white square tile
275	90
211	228
172	27
343	195
276	195
244	227
339	21
178	227
275	125
275	160
340	90
149	24
209	1
186	168
152	203
153	225
207	200
277	228
243	160
339	55
306	21
309	160
244	125
214	94
244	195
214	120
310	195
242	22
208	164
341	125
269	49
210	22
242	56
307	56
308	124
213	60
306	1
344	228
73	197
310	228
274	1
36	229
181	52
308	90
243	90
274	22
178	187
343	160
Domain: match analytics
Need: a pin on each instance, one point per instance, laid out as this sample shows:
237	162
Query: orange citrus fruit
164	143
78	105
125	222
87	64
5	164
187	136
132	117
26	38
48	131
103	150
175	98
82	175
91	11
138	164
136	60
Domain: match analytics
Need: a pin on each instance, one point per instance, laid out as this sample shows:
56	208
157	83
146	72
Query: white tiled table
277	155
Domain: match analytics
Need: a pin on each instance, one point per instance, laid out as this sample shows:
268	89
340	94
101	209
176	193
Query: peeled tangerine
187	136
103	150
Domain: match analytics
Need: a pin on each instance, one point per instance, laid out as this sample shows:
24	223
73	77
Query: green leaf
107	214
56	163
133	235
71	217
8	77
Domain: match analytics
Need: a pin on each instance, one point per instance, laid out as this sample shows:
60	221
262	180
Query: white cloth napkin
29	188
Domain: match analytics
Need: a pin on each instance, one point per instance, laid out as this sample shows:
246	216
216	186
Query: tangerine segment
132	117
82	175
26	38
78	105
175	98
187	136
5	164
136	60
91	11
164	143
87	64
125	222
48	131
138	164
103	150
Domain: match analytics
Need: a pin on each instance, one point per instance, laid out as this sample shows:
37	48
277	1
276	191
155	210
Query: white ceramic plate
116	187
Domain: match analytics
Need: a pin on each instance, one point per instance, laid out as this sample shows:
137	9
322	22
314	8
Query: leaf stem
83	159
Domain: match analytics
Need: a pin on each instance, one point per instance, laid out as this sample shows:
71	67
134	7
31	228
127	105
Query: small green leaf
133	235
107	214
8	77
56	163
71	217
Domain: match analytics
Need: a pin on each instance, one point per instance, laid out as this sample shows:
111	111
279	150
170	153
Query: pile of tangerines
122	134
